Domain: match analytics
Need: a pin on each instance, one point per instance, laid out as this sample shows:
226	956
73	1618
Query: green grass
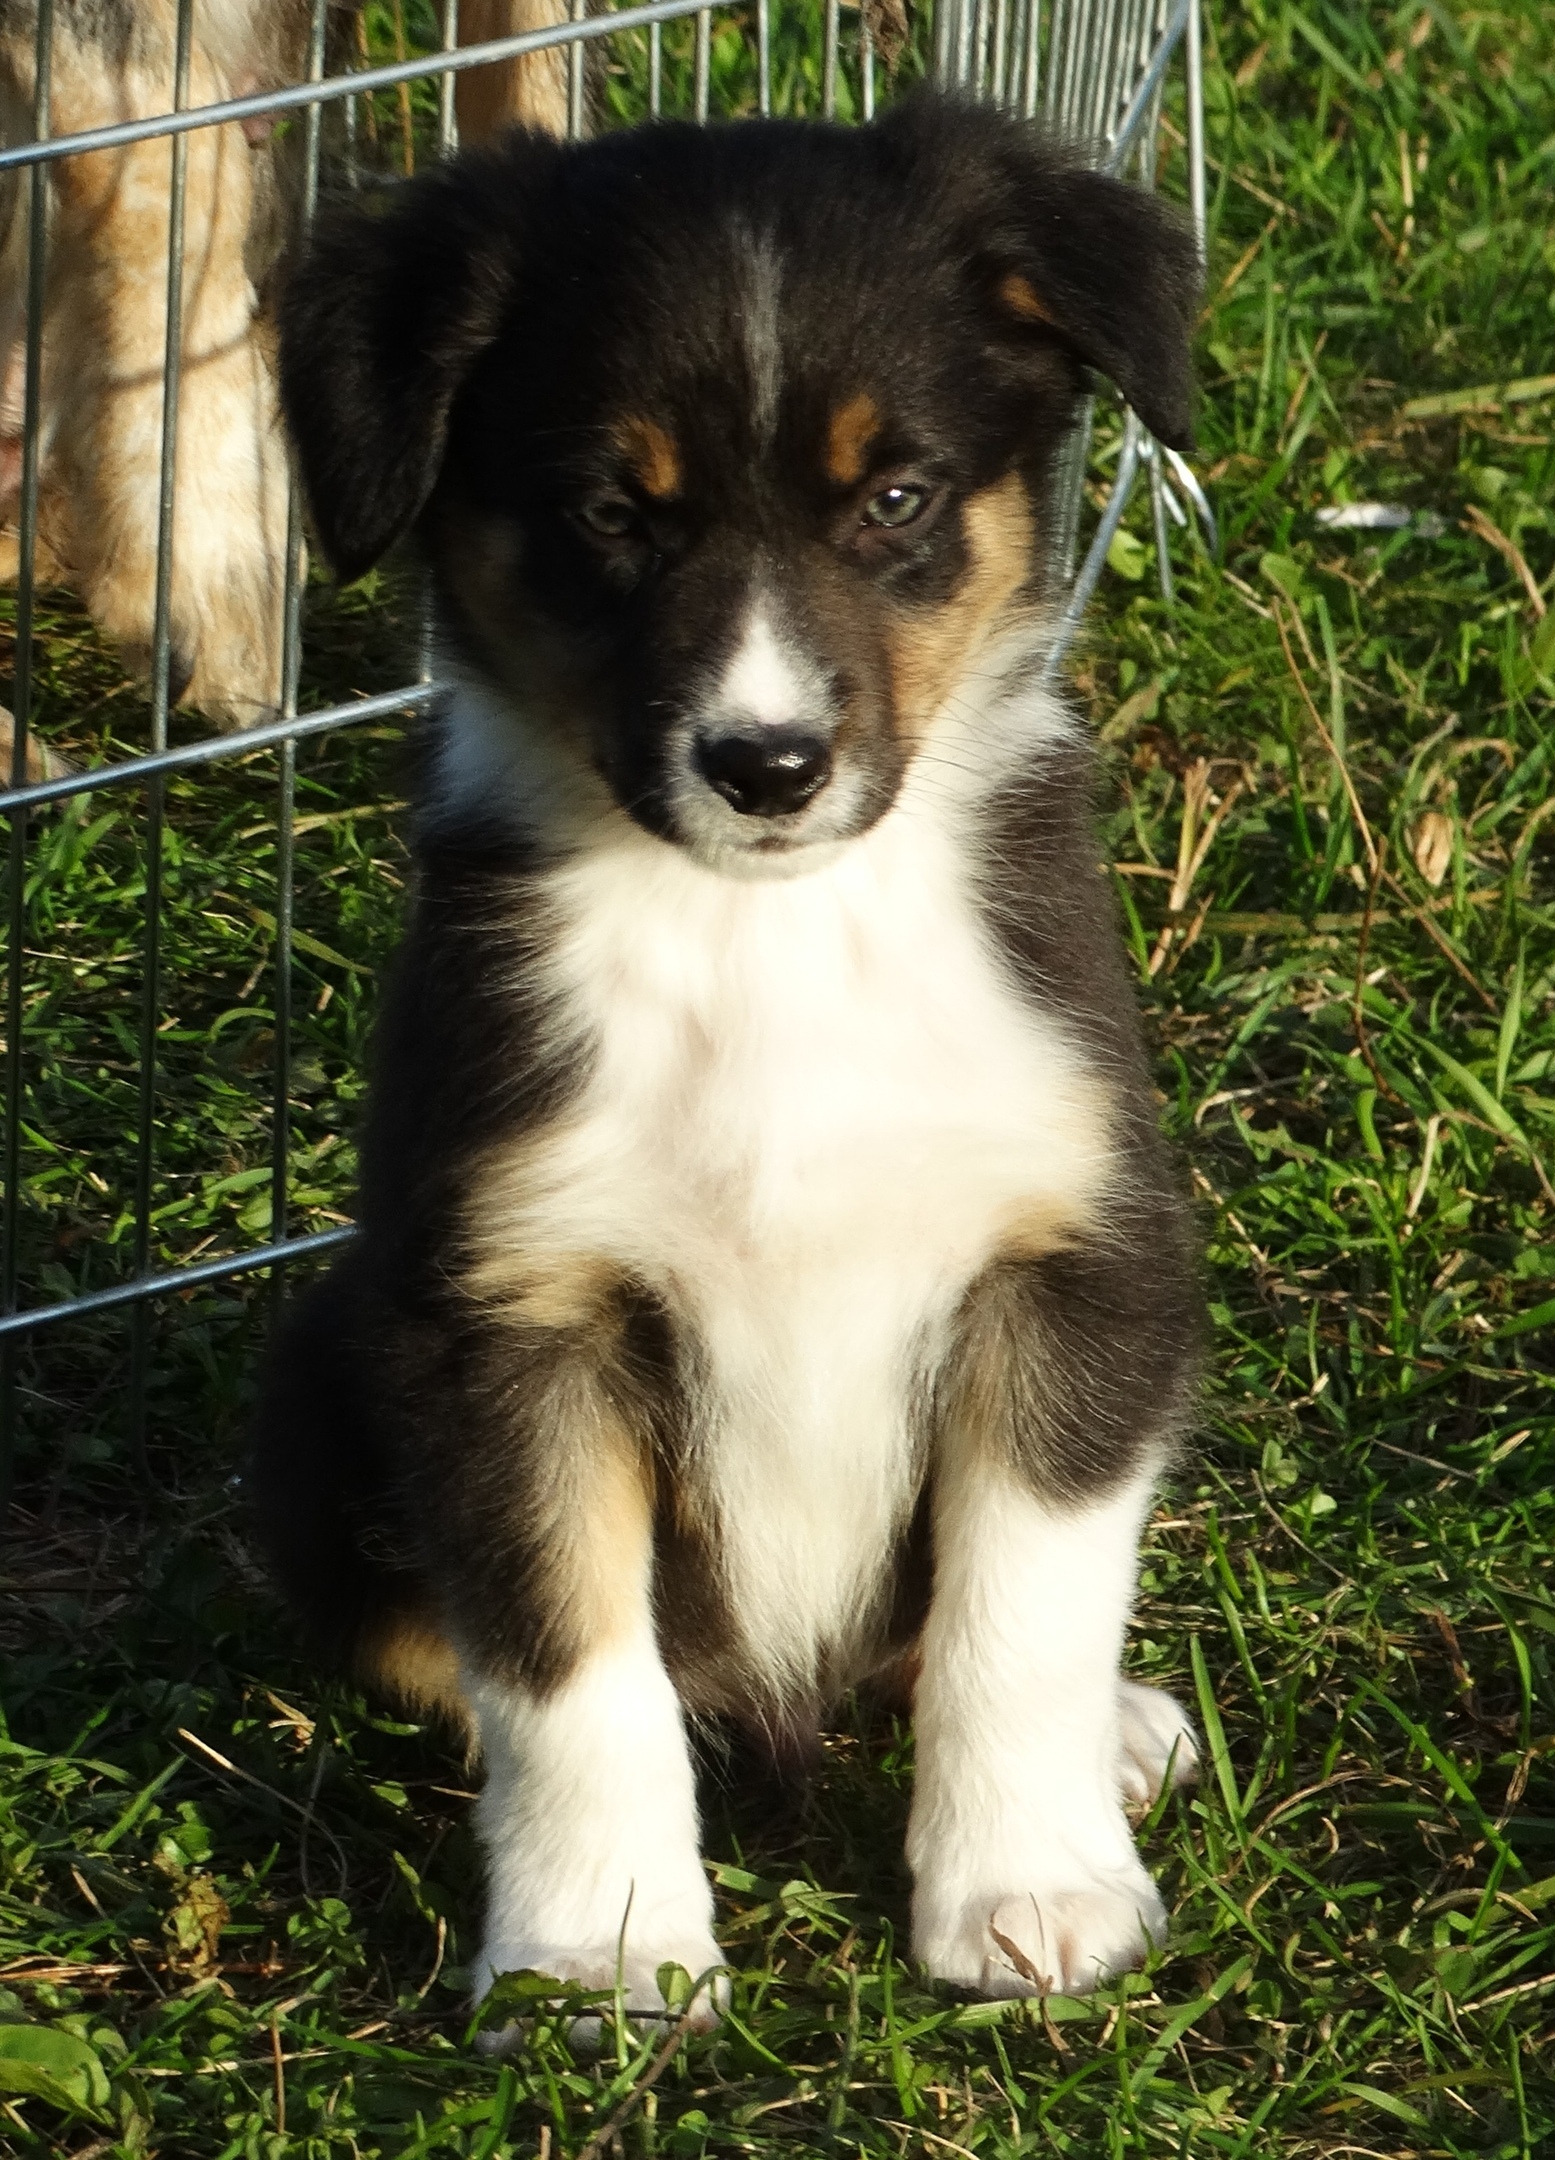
233	1891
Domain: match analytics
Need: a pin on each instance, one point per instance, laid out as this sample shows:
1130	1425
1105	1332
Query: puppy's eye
895	507
611	516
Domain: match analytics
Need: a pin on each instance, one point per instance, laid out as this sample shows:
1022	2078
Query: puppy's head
730	448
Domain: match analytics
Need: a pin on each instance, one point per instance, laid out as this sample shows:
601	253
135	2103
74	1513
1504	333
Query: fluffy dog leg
1157	1743
108	303
529	1407
588	1816
589	1823
1027	1879
104	341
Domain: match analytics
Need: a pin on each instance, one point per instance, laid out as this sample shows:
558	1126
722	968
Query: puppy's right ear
390	304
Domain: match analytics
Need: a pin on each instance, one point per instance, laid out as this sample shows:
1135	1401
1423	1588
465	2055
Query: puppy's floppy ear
1115	274
386	310
1061	251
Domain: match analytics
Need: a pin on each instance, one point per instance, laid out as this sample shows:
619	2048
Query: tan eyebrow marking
652	455
854	427
1020	296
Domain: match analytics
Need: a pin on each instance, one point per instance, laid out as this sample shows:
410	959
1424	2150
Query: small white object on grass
1381	517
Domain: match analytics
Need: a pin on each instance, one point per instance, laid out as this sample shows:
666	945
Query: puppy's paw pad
1156	1740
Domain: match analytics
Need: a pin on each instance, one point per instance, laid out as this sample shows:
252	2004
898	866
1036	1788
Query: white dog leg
1027	1879
589	1823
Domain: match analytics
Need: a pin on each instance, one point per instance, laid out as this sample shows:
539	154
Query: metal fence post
21	716
1090	66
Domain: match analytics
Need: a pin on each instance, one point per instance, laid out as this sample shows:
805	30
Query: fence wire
1091	69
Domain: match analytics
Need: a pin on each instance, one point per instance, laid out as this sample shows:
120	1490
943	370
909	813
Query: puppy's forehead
702	252
752	341
705	343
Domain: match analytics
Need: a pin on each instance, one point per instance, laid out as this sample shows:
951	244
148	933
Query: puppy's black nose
768	775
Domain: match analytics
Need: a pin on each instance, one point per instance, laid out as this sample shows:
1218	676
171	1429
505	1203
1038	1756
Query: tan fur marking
1020	296
414	1662
588	1504
854	427
590	1481
564	1292
511	1272
930	649
1050	1224
976	1419
518	1268
650	451
104	334
614	1536
530	91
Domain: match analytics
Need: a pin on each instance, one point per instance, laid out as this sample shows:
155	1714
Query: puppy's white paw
1155	1741
642	1997
1063	1939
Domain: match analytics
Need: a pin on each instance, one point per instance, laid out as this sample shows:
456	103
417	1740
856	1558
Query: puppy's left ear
1112	272
1059	251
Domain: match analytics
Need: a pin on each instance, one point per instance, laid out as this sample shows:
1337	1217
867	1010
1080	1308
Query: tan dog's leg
104	345
108	322
529	92
15	225
42	762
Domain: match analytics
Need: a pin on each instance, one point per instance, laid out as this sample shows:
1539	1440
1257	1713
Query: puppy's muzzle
769	775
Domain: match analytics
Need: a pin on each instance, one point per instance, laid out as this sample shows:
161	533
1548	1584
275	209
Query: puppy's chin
766	862
754	849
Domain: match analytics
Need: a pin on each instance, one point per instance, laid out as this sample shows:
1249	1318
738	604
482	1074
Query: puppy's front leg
539	1486
589	1825
1026	1874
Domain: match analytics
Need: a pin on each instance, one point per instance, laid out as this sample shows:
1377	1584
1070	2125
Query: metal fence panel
1091	68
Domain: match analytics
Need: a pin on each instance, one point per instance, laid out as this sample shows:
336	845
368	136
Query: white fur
816	1106
762	318
588	1818
1156	1740
1017	1826
771	679
496	758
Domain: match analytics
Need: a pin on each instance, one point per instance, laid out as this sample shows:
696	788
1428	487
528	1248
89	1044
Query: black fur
1118	1312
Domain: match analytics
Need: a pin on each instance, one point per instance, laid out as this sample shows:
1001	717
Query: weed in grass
236	1897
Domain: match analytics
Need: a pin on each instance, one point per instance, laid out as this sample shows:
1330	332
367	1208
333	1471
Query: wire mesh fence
232	890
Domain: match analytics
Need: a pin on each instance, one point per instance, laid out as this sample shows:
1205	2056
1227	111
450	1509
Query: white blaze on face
763	335
771	680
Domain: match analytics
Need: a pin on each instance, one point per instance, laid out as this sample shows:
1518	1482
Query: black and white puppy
768	1267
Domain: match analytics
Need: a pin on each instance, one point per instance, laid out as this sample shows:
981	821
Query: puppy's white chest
820	1071
816	1109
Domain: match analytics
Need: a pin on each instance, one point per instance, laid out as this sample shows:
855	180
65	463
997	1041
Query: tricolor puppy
769	1268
